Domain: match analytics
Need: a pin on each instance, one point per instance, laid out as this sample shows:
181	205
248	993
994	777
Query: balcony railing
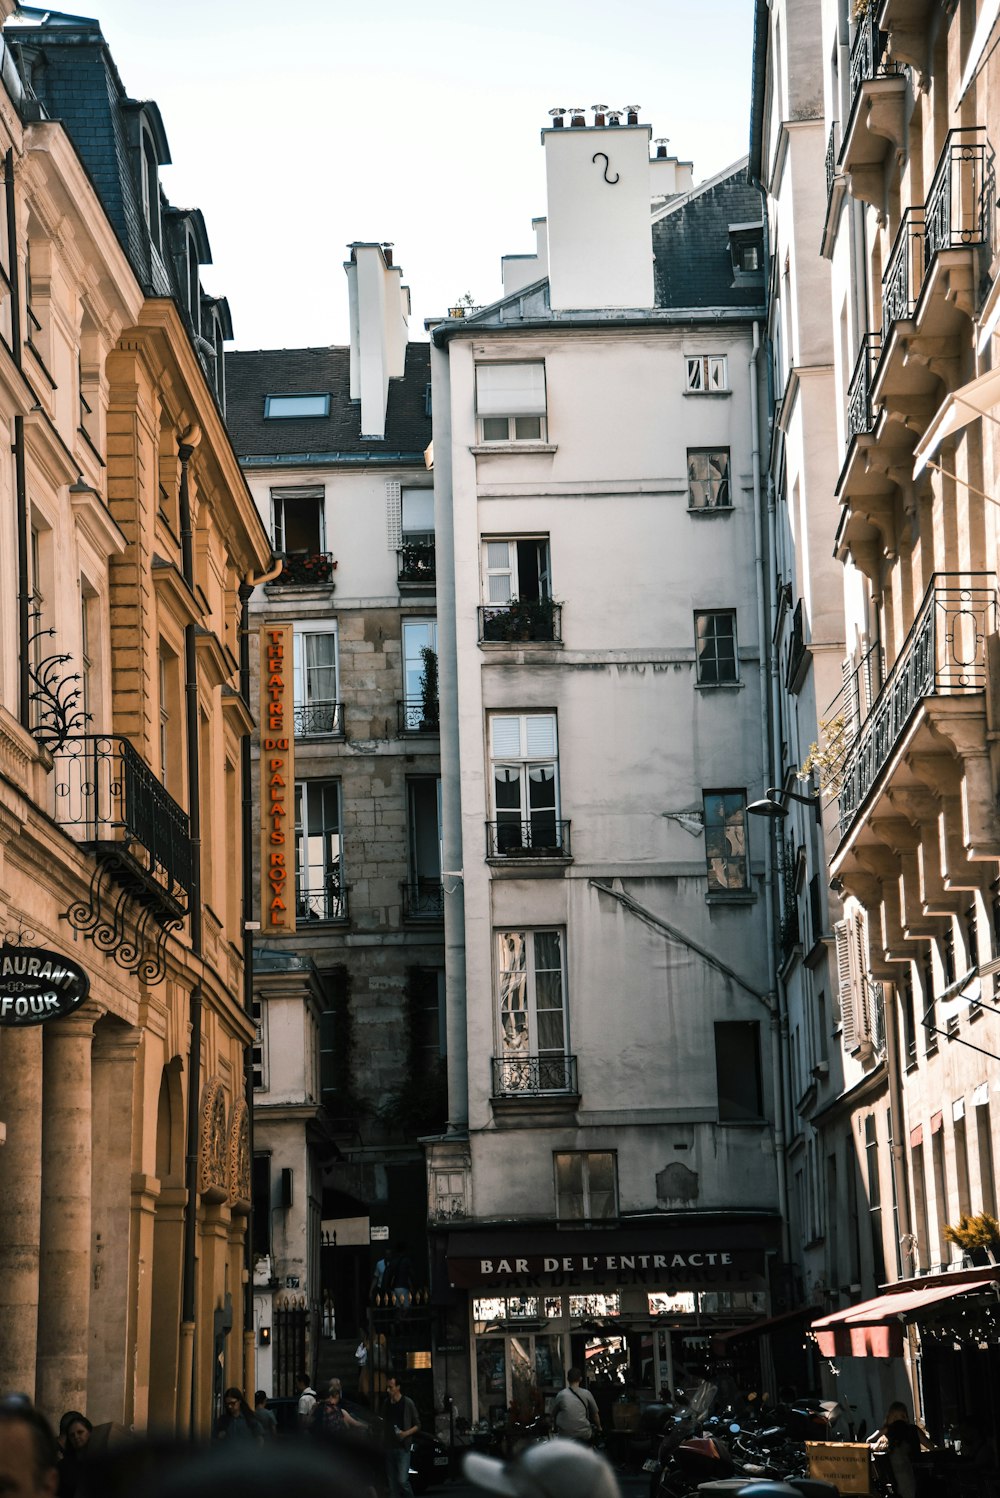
107	797
831	159
868	54
305	569
540	837
423	900
524	619
313	719
416	562
322	901
860	417
418	716
531	1076
904	274
958	210
944	655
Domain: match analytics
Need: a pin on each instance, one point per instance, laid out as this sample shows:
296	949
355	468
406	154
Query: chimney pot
614	116
599	113
576	118
387	252
556	116
632	113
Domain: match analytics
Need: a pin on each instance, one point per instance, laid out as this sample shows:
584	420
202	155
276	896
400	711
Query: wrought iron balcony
542	836
423	900
943	655
533	1076
868	54
860	417
904	274
418	716
325	900
416	562
305	569
959	206
313	719
521	619
831	160
108	798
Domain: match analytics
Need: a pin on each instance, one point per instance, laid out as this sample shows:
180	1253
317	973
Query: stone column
64	1270
20	1205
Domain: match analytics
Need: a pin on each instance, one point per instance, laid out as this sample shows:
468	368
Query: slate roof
694	266
250	376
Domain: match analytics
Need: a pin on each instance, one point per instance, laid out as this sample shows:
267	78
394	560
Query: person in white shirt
574	1410
307	1399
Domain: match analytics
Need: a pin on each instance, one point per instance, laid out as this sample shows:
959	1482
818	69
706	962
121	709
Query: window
516	569
586	1187
317	709
423	817
285	406
525	781
737	1069
510	402
531	1014
420	694
708	479
427	1019
726	840
319	887
748	257
874	1197
707	374
259	1058
150	188
417	516
88	695
715	636
298	521
193	284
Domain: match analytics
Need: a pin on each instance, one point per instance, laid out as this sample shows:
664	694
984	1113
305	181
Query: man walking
402	1423
575	1411
307	1400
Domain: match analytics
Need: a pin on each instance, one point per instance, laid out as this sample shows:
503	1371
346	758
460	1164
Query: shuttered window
510	389
393	515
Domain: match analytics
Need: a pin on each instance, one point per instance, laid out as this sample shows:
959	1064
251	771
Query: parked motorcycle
430	1463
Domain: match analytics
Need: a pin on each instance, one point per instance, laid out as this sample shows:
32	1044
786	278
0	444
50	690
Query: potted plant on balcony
521	619
978	1236
430	710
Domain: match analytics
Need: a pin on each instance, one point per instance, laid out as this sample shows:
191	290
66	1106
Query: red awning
873	1328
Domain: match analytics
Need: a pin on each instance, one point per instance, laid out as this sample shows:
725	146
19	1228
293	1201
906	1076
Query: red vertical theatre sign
277	779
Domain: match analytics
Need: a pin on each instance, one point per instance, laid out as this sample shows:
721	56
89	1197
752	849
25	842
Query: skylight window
296	405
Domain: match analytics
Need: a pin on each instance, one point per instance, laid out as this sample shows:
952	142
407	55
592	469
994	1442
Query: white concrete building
610	1183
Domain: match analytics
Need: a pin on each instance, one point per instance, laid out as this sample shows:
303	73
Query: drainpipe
778	1021
23	580
186	1420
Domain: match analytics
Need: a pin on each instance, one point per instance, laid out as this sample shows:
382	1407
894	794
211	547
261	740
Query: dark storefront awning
874	1328
709	1254
723	1341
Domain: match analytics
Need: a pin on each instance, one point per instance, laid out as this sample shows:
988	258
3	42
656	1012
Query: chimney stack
379	315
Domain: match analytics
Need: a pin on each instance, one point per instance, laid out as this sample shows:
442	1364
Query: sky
298	127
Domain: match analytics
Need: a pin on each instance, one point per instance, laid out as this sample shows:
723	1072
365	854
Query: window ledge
730	897
709	395
710	509
719	686
489	449
743	1123
512	645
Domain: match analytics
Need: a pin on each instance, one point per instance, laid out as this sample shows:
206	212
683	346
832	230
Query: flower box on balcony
302	569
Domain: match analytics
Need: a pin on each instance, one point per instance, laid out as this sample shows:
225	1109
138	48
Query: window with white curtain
510	402
317	710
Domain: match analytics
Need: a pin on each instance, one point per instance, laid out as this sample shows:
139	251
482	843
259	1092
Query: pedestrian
901	1440
330	1419
74	1438
542	1469
29	1452
401	1425
307	1400
574	1411
237	1423
266	1419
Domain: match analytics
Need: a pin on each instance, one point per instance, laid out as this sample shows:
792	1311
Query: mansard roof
252	376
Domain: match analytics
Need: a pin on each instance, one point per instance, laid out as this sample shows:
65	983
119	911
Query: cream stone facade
128	533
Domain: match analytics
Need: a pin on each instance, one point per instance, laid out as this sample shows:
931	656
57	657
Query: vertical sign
277	779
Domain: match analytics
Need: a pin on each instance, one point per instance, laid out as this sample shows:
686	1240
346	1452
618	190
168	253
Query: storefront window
680	1303
491	1377
504	1308
590	1306
553	1307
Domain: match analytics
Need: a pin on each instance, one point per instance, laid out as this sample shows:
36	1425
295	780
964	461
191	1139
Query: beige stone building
128	533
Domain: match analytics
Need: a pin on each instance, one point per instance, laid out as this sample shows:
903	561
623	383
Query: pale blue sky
299	127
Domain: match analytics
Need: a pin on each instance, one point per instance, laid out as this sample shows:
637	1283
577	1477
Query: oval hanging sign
36	985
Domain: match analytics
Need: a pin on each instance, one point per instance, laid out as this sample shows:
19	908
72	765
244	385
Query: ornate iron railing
324	902
418	716
305	569
868	54
542	836
416	562
525	619
831	160
904	274
315	718
944	654
107	796
529	1076
423	900
860	417
958	210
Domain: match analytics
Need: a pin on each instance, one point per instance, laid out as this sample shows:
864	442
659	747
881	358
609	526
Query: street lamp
775	804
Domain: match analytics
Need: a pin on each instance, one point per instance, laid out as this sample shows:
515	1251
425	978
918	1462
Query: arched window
151	188
194	284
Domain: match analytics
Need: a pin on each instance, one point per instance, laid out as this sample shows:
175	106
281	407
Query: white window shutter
540	735
417	507
845	987
500	582
510	389
506	736
862	1006
393	515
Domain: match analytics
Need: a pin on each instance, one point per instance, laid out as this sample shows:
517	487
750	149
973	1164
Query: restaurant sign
708	1266
36	985
277	779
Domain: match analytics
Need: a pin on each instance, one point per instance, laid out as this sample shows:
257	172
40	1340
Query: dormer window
194	284
746	246
151	189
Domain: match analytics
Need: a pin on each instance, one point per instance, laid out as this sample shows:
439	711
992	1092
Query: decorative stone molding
212	1171
239	1157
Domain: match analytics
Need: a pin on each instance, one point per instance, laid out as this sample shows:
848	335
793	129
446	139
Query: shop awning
722	1340
977	398
873	1328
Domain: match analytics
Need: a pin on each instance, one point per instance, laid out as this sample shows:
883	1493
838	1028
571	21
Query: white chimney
379	318
600	239
520	270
